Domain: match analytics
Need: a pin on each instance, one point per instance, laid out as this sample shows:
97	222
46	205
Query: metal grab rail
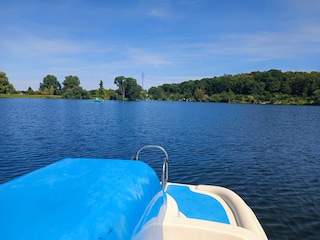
165	165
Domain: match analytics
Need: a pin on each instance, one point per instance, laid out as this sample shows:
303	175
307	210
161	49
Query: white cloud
41	46
144	57
160	37
266	45
158	12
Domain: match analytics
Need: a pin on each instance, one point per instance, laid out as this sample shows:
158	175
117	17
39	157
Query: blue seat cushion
198	205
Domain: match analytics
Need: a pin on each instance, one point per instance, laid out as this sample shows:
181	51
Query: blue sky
171	41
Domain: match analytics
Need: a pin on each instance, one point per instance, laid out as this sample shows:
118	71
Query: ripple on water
267	154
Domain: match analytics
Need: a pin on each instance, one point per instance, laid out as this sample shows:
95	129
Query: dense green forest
268	87
273	86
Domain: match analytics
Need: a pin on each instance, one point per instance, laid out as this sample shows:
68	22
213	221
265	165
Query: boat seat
188	201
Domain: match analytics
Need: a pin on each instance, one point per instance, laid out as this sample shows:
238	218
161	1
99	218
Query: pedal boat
85	198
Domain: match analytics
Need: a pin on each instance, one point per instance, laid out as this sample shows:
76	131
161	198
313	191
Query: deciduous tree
71	81
133	89
73	90
128	87
5	85
121	83
50	82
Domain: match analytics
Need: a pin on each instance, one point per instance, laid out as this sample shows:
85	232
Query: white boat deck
221	214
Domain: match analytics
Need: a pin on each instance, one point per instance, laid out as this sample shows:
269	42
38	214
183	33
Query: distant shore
20	95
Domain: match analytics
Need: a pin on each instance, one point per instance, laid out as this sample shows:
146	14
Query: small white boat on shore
84	198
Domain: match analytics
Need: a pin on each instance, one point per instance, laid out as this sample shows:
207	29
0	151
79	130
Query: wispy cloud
170	40
46	47
158	12
140	56
263	46
40	46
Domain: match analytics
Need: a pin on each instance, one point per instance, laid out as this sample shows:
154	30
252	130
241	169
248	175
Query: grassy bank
27	96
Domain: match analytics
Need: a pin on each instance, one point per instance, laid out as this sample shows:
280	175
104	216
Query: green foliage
120	81
128	88
76	92
316	97
101	91
30	91
215	98
271	86
71	82
133	89
5	86
72	89
199	95
143	94
50	85
111	94
156	93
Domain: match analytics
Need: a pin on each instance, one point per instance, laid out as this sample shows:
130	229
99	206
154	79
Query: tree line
70	88
273	86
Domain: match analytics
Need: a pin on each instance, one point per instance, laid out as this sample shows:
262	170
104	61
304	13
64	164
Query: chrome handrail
165	165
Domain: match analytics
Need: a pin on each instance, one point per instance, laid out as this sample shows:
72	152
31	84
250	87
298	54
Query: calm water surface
268	154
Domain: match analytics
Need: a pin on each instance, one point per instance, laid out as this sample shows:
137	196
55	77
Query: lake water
268	154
